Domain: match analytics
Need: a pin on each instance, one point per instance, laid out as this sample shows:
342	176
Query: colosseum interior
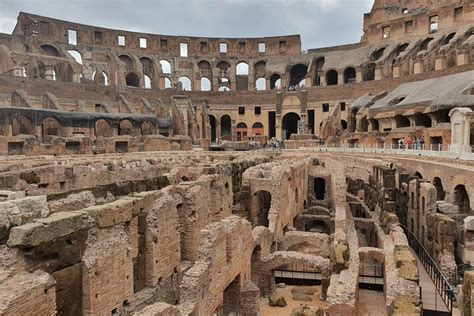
145	174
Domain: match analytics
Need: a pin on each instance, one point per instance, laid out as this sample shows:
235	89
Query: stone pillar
378	73
466	305
461	129
418	66
441	61
278	127
49	72
396	71
463	57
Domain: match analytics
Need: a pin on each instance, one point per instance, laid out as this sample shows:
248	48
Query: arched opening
50	127
424	44
417	175
371	275
349	75
440	193
297	75
226	127
213	123
369	72
205	84
374	123
241	130
449	38
165	66
377	54
102	128
264	202
319	188
422	119
168	83
401	121
185	83
132	80
50	50
126	128
76	55
332	78
318	71
290	124
127	61
344	124
257	129
148	128
205	68
242	76
461	199
275	82
146	82
22	125
147	65
101	79
260	84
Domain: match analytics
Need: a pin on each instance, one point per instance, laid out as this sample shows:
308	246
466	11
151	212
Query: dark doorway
290	124
319	188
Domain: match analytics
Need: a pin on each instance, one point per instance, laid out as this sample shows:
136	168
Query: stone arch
148	66
127	61
103	128
23	125
260	70
275	82
206	84
401	121
148	128
165	66
76	55
226	127
298	74
50	127
440	193
242	76
260	84
318	71
186	84
350	75
461	198
290	124
422	119
332	77
257	129
241	130
126	127
50	50
344	124
132	80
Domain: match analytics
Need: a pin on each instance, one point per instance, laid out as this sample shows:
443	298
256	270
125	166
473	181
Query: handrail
441	283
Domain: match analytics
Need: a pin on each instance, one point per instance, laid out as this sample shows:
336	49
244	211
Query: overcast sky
320	22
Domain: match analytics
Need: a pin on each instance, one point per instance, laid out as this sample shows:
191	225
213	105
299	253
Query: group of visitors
416	143
274	144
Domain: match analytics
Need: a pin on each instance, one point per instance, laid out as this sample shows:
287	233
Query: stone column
461	129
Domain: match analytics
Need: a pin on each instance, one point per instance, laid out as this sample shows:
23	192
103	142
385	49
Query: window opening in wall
258	110
261	47
260	84
143	42
325	107
408	27
386	32
121	40
165	66
405	11
203	47
76	55
72	37
311	117
282	46
223	48
98	37
164	44
242	47
168	84
458	13
183	49
241	110
146	82
319	186
433	24
205	84
343	106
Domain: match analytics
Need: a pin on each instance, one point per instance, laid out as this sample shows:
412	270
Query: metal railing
441	283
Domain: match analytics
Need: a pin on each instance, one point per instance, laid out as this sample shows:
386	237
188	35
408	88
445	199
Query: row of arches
50	126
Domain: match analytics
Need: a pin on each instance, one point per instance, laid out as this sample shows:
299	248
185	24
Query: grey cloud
320	22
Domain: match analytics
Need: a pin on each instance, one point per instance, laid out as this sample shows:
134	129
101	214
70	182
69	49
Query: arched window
332	78
126	128
241	130
50	50
168	83
205	84
76	55
257	129
185	83
260	84
147	65
132	80
242	69
242	76
148	128
226	127
422	119
275	82
146	82
349	75
50	127
102	128
297	75
127	60
22	125
165	66
224	84
401	121
290	124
